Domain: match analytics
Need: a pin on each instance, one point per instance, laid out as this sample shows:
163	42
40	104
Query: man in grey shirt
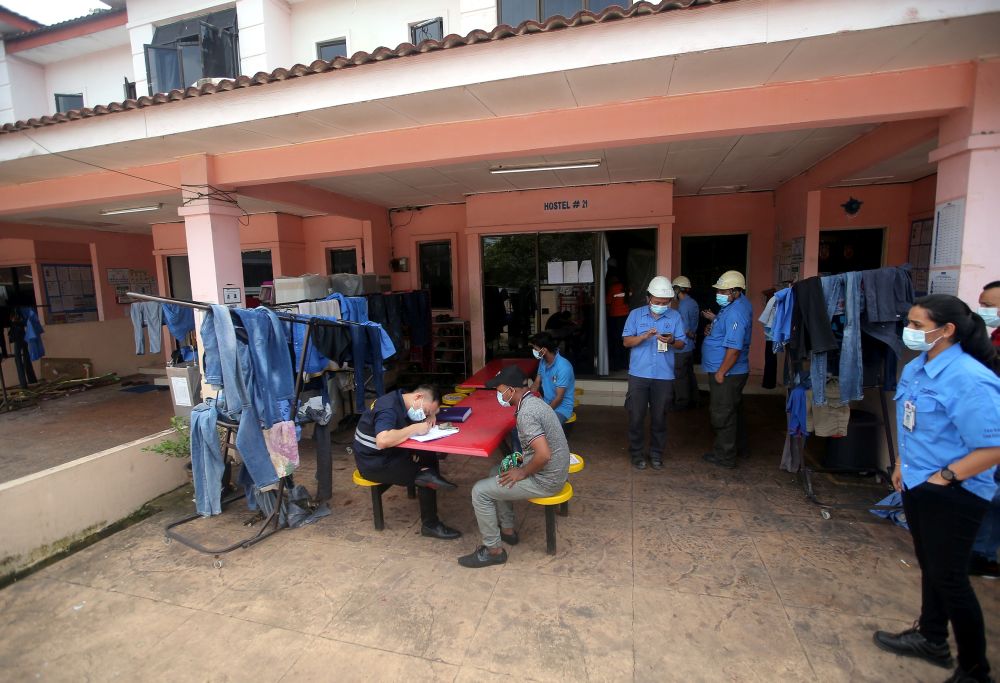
542	474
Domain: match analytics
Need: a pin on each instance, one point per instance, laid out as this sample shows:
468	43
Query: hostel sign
566	205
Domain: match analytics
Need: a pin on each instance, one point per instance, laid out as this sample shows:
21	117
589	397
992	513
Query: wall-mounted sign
230	295
566	205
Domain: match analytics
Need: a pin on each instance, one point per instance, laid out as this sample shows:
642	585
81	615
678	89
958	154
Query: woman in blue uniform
948	421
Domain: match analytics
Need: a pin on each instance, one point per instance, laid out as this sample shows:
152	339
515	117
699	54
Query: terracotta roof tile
93	16
501	32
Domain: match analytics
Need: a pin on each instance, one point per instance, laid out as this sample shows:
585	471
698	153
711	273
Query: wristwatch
949	476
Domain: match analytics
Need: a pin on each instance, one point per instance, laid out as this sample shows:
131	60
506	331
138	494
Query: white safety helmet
660	286
681	281
731	279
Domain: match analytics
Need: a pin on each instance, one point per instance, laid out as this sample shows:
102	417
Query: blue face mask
722	300
989	316
916	340
537	354
416	414
657	309
505	404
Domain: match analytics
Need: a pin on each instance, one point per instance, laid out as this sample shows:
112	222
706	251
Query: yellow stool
550	503
571	419
577	391
459	389
377	490
575	463
452	399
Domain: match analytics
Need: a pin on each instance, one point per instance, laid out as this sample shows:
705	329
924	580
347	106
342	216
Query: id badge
909	415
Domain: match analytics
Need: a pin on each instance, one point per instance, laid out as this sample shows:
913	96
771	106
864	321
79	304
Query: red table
490	370
478	436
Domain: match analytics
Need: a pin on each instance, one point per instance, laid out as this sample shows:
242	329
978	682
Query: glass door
510	293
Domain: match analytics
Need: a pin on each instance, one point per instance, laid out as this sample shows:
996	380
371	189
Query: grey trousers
685	384
494	504
647	395
726	412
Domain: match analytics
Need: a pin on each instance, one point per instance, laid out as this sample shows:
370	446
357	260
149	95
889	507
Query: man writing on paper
541	473
388	422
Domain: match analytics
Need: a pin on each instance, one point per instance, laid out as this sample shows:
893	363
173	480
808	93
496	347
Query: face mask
722	300
989	316
916	340
657	309
505	404
537	354
416	414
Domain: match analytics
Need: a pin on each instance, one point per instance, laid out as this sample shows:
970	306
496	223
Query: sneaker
984	567
656	463
510	539
639	464
482	557
912	643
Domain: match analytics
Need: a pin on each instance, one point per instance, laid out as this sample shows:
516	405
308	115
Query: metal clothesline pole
300	319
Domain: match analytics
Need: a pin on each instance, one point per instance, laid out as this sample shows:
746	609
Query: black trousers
726	413
685	383
617	354
647	395
401	471
324	463
22	361
943	522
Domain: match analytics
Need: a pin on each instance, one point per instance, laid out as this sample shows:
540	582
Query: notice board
69	293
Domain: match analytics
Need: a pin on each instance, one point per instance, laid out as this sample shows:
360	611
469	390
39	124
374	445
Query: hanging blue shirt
644	360
730	330
957	402
688	308
558	374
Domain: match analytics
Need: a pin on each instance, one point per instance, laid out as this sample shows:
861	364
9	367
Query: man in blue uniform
725	357
653	333
685	383
389	421
555	380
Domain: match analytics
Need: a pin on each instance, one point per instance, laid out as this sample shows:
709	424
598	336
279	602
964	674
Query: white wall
100	76
265	35
366	25
27	81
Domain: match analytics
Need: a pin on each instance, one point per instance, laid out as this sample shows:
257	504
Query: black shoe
639	464
482	558
984	567
911	643
656	463
509	539
432	480
962	676
718	462
440	530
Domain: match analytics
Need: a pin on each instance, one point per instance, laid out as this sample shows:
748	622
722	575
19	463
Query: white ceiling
71	48
710	166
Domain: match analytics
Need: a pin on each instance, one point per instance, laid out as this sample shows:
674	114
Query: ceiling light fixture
556	166
869	179
131	209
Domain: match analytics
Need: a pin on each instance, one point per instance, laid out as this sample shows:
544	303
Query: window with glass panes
331	49
513	12
432	29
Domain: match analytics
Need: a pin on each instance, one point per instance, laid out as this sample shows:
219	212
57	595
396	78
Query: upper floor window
513	12
186	51
65	103
431	29
331	49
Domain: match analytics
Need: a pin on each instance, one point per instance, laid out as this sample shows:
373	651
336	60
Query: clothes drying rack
272	522
797	444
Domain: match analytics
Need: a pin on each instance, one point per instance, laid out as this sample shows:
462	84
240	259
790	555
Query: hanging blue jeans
207	464
234	401
150	314
851	366
366	349
833	294
271	379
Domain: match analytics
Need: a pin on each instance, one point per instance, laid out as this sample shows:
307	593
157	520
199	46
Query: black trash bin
858	451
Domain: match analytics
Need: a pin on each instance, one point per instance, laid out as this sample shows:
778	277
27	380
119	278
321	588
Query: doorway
843	251
703	259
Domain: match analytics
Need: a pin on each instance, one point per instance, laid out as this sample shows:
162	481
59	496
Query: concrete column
212	230
968	159
665	250
810	250
474	290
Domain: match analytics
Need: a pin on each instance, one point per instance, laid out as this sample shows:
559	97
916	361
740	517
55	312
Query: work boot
962	676
432	480
912	643
718	462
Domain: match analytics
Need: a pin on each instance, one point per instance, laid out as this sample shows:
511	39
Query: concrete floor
689	574
60	430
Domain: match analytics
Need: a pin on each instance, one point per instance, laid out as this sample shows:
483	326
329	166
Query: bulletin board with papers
69	293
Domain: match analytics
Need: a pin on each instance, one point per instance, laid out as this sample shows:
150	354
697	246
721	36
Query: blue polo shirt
957	402
644	360
688	308
388	412
731	330
558	374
